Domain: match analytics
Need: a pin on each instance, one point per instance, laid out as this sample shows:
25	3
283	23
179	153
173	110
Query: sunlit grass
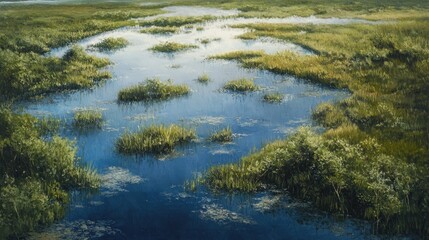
88	118
273	97
152	90
110	44
223	135
170	47
155	139
241	85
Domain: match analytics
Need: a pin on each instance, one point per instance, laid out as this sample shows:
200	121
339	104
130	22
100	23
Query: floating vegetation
111	44
170	47
241	85
152	90
116	179
224	135
220	215
207	40
160	30
269	203
88	118
156	139
175	21
273	97
203	78
76	230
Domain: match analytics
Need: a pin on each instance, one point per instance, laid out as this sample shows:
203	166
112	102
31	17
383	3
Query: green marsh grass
155	139
176	21
171	47
223	135
273	97
161	30
241	85
152	90
111	44
204	78
88	118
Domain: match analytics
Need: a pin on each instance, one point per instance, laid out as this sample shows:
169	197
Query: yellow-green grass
204	78
88	118
155	139
111	44
160	30
241	85
171	47
273	97
223	135
152	90
175	21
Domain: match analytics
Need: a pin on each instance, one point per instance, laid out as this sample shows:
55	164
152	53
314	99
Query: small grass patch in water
241	85
152	90
223	136
170	47
204	78
88	118
273	97
160	30
175	21
200	28
111	44
239	55
155	139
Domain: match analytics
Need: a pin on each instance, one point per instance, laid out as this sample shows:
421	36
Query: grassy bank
156	139
372	161
36	174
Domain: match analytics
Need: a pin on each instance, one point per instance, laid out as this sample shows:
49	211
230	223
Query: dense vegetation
36	174
152	90
372	161
156	139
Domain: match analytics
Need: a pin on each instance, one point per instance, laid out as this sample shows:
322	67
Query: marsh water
143	197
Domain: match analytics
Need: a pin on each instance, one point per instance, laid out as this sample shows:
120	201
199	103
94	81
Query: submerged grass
88	118
273	97
111	43
224	135
170	47
155	139
152	90
241	85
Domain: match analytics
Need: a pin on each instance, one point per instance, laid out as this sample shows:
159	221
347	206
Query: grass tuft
155	139
88	118
273	97
241	85
170	47
224	135
152	90
111	44
204	78
160	30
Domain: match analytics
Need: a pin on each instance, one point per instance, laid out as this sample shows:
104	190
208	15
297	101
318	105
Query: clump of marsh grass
224	135
241	85
152	90
204	78
88	118
160	30
155	139
110	44
273	97
176	21
170	47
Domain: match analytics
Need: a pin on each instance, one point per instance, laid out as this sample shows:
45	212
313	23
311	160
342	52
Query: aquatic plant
170	47
204	78
175	21
160	30
88	118
241	85
36	173
273	97
224	135
111	43
156	139
152	90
